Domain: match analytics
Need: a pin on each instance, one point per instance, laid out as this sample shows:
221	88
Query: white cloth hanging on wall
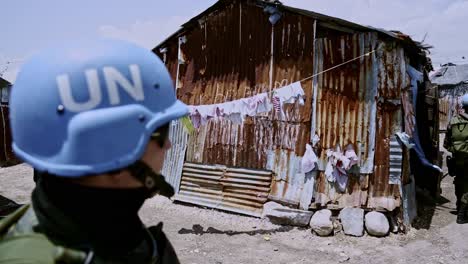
237	110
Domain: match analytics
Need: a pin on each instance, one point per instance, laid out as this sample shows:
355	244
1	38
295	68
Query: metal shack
6	152
452	82
361	87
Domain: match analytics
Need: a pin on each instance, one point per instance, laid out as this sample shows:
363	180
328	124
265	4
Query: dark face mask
105	217
68	196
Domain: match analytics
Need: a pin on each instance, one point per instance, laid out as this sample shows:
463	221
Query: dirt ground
209	236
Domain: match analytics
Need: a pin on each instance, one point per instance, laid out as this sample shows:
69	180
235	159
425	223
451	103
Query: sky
31	25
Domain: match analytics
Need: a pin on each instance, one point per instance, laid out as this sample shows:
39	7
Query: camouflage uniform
22	234
456	141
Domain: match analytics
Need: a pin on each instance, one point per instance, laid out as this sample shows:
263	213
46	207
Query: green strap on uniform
11	219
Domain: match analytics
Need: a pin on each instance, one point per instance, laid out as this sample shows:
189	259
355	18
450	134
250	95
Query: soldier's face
153	157
154	154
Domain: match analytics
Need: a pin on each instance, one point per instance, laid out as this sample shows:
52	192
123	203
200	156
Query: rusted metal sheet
408	192
396	161
174	159
449	106
228	57
251	145
359	104
392	76
444	112
382	194
233	52
408	109
288	181
328	196
7	157
392	80
216	186
346	96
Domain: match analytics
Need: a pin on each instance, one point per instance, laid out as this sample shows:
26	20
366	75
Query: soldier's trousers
461	178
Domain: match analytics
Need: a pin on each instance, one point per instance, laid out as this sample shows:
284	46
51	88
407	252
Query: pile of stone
351	221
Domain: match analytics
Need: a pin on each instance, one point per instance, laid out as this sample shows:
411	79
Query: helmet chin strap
154	183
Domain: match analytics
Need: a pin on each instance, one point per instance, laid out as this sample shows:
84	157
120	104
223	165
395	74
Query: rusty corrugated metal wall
444	112
449	102
172	169
237	190
346	96
359	104
449	106
227	56
344	109
392	79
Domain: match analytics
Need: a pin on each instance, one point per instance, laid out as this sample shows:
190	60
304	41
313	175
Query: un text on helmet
113	79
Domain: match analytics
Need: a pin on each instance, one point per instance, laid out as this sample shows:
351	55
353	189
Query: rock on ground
353	221
377	224
282	215
321	222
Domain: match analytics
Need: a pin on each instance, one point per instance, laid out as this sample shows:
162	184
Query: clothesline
339	65
237	110
331	68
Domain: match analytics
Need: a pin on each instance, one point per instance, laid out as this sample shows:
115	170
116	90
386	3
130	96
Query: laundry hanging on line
237	110
309	160
339	164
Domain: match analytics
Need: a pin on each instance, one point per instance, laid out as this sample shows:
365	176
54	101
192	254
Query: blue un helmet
90	108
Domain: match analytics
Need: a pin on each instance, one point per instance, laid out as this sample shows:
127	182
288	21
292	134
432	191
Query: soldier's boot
462	216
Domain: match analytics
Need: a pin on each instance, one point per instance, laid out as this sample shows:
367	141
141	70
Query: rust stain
343	115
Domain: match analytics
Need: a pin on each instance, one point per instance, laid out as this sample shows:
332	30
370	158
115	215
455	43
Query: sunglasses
161	134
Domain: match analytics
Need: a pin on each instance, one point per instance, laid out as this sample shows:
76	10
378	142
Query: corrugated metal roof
451	74
216	186
4	83
324	20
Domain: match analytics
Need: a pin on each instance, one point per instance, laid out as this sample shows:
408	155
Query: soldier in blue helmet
456	141
92	118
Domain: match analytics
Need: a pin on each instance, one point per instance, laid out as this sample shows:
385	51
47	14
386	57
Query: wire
339	65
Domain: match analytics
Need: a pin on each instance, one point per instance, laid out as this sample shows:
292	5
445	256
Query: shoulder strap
12	219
